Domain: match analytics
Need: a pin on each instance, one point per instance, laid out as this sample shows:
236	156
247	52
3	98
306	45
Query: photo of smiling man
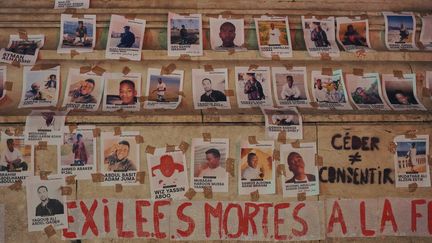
122	92
301	172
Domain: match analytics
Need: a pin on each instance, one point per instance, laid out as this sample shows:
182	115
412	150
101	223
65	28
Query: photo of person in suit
297	166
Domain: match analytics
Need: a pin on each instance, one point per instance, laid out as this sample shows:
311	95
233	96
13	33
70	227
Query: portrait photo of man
118	160
33	93
274	35
210	94
160	90
227	33
11	158
297	166
127	38
212	166
252	171
83	94
290	92
253	88
79	151
52	82
319	36
320	93
80	34
47	206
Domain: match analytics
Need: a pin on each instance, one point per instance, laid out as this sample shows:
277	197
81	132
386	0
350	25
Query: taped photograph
411	161
120	158
125	38
329	91
83	90
41	88
353	34
121	92
185	35
209	88
253	87
290	86
78	153
286	120
273	36
400	31
78	34
426	32
22	51
168	174
163	91
401	92
16	158
227	34
208	164
301	172
44	126
365	91
45	203
256	168
319	36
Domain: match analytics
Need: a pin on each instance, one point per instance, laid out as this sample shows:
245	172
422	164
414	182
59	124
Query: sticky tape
183	146
206	136
118	188
96	132
190	194
70	179
318	160
301	196
208	192
150	149
17	186
229	166
140	177
254	195
252	140
117	131
139	139
49	231
126	70
97	177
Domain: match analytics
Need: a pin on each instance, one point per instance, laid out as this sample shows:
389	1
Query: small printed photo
329	91
168	174
45	204
286	120
227	34
120	154
319	36
15	156
253	87
290	86
353	35
163	90
400	31
411	161
256	164
301	172
272	32
83	91
78	150
77	33
401	92
185	35
23	51
273	36
2	81
40	88
209	159
44	125
365	91
426	32
185	31
125	38
122	91
209	88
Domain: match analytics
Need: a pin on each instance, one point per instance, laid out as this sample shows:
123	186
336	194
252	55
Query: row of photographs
126	35
168	172
85	91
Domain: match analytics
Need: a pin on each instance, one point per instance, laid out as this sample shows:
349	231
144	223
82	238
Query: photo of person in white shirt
290	92
274	35
160	90
212	167
11	158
